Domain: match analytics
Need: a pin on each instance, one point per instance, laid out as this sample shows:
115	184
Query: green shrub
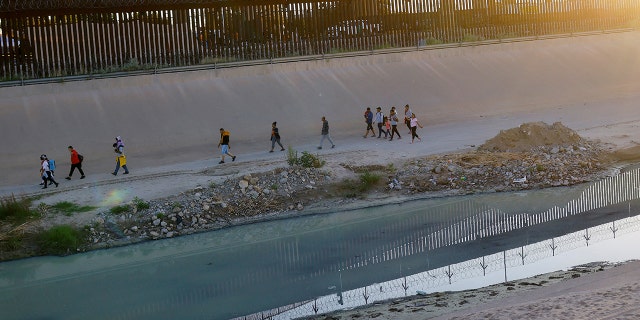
354	188
60	240
368	180
140	204
306	160
120	209
18	210
292	156
309	160
68	208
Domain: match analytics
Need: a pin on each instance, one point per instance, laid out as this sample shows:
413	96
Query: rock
253	194
243	184
156	222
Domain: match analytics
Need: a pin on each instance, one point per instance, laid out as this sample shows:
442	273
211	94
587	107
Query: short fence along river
319	263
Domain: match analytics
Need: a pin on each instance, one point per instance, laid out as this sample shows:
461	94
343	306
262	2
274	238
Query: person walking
387	126
224	142
368	119
380	122
414	123
407	117
76	162
45	171
275	137
393	118
325	134
121	159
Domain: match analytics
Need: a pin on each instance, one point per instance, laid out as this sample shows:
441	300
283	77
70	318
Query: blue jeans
118	167
326	136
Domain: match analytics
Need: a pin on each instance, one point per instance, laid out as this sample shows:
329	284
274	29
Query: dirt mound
531	135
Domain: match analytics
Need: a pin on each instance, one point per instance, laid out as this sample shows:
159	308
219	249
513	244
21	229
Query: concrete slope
173	118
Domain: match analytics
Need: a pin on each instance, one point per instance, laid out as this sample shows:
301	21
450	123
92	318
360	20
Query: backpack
52	165
80	157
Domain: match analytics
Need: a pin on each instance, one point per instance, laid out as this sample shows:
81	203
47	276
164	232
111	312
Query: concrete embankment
173	118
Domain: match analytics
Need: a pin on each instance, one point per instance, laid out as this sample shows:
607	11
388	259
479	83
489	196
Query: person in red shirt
76	162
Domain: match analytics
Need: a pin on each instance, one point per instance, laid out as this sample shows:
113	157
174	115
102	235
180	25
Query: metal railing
55	39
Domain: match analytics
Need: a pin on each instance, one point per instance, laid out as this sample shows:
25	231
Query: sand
595	291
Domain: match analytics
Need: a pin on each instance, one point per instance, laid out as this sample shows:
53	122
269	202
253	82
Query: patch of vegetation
215	60
369	180
306	160
60	240
472	38
309	160
351	188
68	208
389	169
140	204
11	243
120	209
433	41
292	156
16	210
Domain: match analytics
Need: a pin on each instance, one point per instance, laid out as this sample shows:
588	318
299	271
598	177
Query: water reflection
239	271
559	253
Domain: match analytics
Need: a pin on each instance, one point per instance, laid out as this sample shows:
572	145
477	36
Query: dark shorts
369	125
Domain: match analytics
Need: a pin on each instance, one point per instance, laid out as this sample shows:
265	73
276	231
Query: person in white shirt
380	121
407	117
45	171
414	123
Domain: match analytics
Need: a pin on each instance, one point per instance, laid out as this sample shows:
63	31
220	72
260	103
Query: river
327	261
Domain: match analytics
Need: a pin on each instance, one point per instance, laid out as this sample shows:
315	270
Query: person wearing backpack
45	171
380	121
76	162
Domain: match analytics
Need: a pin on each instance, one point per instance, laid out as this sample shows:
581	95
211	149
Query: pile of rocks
213	207
481	171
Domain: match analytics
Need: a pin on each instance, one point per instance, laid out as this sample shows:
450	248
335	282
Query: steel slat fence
45	39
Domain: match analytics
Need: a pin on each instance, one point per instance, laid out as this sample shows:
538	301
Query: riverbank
531	156
598	290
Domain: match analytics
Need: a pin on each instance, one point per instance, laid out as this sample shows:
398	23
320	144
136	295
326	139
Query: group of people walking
47	166
388	125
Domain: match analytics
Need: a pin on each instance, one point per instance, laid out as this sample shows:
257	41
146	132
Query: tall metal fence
53	38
